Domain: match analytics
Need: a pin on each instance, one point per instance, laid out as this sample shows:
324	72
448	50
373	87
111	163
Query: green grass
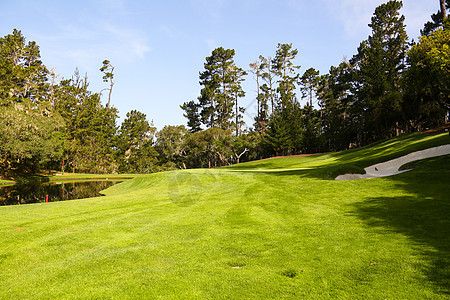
277	228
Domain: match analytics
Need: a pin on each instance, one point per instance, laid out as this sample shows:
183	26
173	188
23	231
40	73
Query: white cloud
86	45
125	42
139	48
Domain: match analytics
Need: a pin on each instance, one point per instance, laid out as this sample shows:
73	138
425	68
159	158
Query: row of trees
388	87
53	125
46	123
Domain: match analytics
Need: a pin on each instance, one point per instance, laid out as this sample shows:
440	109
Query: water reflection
38	192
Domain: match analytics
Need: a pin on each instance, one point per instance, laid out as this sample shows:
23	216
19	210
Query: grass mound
277	228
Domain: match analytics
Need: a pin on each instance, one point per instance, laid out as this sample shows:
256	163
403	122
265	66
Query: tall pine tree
381	62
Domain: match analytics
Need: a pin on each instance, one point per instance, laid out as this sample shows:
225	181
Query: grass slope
279	228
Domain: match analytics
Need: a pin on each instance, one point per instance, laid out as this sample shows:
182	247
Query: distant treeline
387	88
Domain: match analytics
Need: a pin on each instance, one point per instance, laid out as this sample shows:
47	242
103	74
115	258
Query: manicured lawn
277	228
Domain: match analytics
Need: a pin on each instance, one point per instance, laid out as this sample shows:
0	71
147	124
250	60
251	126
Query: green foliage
437	20
372	97
380	62
278	135
30	138
309	84
192	115
284	68
30	130
171	145
136	153
209	148
22	74
221	81
337	121
428	79
90	127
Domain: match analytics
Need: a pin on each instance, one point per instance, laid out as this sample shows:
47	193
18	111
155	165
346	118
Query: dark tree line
389	87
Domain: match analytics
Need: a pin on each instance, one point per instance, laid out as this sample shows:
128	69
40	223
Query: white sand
391	167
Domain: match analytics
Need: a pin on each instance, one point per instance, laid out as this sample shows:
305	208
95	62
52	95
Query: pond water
39	192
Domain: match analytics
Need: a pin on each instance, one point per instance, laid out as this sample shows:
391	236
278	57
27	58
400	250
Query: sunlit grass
278	228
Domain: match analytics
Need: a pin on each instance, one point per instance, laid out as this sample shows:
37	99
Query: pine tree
285	69
135	144
221	81
381	62
268	89
438	20
191	113
262	97
108	71
309	82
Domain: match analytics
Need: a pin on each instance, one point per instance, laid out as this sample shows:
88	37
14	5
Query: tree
108	71
268	88
312	139
209	148
428	80
309	82
261	118
237	77
22	74
335	95
439	19
216	97
170	144
191	113
90	127
135	144
221	81
285	69
381	62
247	146
31	132
30	138
277	136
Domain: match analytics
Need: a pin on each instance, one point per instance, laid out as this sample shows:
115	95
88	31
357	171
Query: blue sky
158	47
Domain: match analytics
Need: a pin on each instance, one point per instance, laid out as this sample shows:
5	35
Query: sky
159	47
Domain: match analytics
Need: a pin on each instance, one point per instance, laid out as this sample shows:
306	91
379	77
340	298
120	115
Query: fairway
269	229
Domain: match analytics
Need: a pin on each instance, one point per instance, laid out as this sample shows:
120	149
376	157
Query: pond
41	192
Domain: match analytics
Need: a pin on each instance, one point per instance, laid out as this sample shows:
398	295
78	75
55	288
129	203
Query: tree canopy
389	87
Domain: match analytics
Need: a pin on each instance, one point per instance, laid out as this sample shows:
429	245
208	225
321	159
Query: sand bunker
391	167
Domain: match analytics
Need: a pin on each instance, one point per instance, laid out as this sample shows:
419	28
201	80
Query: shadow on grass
423	216
329	166
21	176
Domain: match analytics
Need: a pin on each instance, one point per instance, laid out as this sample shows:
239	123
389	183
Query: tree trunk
443	10
237	116
238	157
